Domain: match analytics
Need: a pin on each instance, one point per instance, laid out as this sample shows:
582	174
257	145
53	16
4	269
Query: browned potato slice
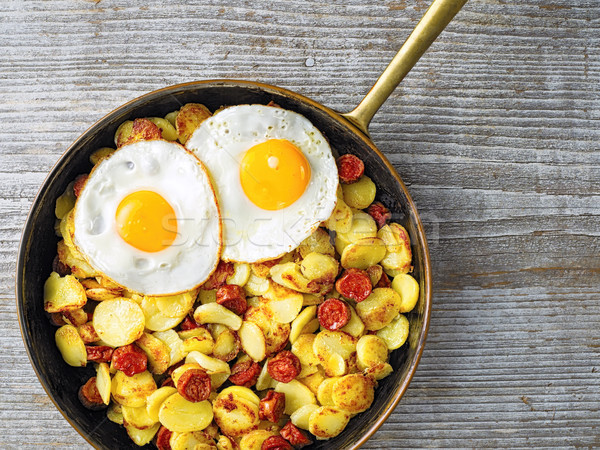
353	393
167	130
158	353
137	417
65	202
156	399
318	242
395	333
138	130
118	322
141	437
190	116
72	258
132	391
255	439
361	194
363	253
227	345
379	308
235	415
296	395
327	422
100	154
63	293
408	288
252	340
276	334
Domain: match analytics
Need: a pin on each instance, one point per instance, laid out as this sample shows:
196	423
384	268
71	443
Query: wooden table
496	133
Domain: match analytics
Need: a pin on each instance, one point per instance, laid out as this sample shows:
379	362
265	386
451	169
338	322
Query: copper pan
346	132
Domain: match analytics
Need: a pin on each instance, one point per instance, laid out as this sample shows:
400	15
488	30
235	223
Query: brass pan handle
437	16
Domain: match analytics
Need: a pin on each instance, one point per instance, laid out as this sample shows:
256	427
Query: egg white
252	234
181	179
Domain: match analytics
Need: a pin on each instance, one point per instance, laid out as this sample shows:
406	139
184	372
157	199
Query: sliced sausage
271	407
232	297
99	353
379	213
354	284
163	438
129	359
284	367
245	373
219	276
90	397
60	268
294	435
168	382
276	443
189	323
384	281
79	184
194	385
350	168
333	314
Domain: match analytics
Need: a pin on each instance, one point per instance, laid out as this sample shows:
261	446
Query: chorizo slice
350	168
219	276
333	314
272	406
354	284
245	373
284	367
294	435
163	438
276	443
99	353
380	213
232	297
129	359
194	385
89	396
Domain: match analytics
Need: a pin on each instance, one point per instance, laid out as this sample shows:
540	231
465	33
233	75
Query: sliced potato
355	326
195	440
319	242
379	308
208	363
114	413
301	321
119	322
276	334
363	253
316	266
361	194
71	346
328	342
174	343
301	416
227	345
353	393
340	220
264	380
399	254
178	414
133	390
167	130
327	422
314	379
242	392
408	288
296	395
256	285
283	303
202	342
159	355
304	350
252	340
255	439
141	437
103	382
156	399
63	293
155	319
371	350
72	258
241	274
65	202
190	116
100	154
395	333
215	313
176	306
137	417
235	415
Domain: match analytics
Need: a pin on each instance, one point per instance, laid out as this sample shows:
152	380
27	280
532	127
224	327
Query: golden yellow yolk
146	221
274	174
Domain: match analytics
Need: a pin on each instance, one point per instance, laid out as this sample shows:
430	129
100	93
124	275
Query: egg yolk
274	174
146	221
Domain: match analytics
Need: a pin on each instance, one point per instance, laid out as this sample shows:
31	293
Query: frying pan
346	133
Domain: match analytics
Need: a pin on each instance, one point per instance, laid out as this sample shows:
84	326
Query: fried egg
274	174
148	219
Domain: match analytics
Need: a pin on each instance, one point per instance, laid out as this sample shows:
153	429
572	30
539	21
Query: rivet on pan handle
439	14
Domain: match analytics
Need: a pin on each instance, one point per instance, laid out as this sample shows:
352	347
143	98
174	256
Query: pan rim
31	218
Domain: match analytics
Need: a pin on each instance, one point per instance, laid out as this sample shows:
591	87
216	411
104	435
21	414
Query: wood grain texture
495	132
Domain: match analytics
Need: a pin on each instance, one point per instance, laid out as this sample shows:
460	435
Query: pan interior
38	249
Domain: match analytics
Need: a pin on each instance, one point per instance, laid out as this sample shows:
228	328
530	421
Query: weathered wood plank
495	132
